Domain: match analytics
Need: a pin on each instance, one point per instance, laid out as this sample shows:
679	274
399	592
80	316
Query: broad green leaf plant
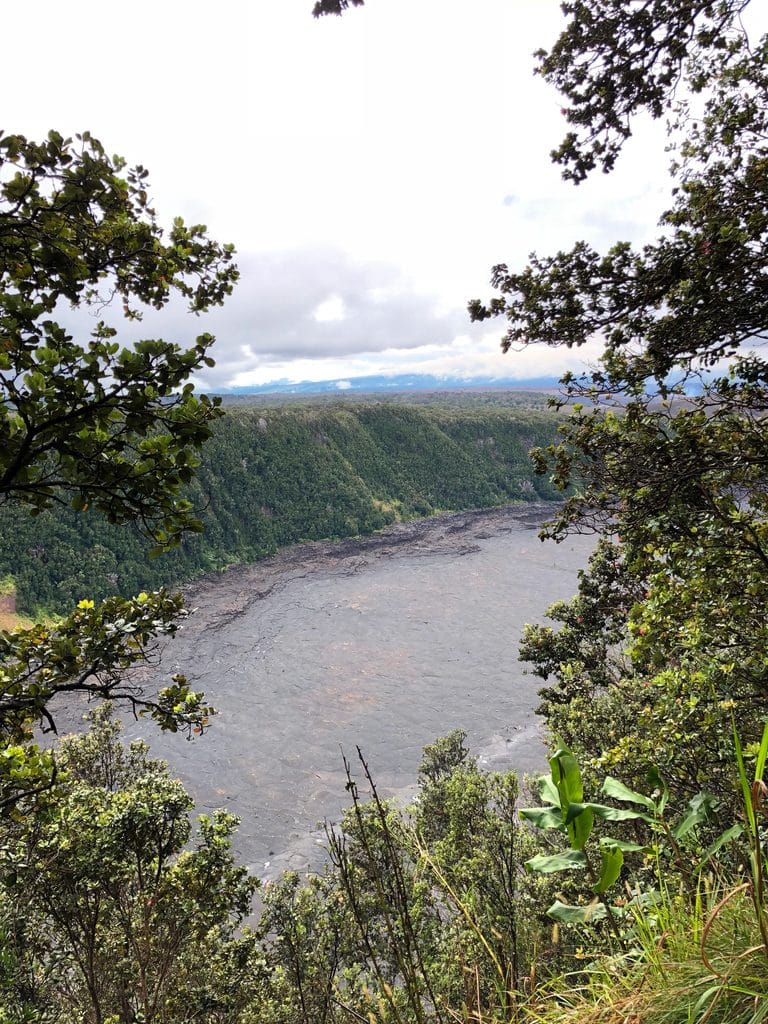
602	858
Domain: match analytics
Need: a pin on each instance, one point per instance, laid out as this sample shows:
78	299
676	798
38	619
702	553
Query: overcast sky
369	169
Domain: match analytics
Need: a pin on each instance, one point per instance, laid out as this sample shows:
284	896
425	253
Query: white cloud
370	169
330	310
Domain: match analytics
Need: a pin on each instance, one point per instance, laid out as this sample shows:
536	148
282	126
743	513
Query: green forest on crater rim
632	887
270	477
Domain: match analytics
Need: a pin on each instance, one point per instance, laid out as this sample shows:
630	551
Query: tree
90	652
615	59
107	913
92	424
451	875
667	437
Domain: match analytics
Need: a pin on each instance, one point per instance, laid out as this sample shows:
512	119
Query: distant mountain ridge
396	382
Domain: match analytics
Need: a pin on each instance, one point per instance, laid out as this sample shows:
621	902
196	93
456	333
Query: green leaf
580	828
700	808
617	813
544	817
728	836
655	779
546	864
618	791
566	914
548	790
612	860
624	845
746	790
566	776
704	998
762	754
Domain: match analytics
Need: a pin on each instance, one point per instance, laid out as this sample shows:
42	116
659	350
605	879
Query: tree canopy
91	424
89	421
110	909
667	436
615	59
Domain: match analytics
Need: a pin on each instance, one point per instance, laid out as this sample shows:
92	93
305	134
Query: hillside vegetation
273	476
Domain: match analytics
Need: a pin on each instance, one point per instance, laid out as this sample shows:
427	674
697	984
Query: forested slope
273	476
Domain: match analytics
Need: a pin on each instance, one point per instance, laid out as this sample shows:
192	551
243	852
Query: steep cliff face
273	476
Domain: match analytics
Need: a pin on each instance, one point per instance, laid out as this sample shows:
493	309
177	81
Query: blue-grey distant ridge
397	382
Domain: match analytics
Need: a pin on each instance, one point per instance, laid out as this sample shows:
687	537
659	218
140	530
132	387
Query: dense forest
273	476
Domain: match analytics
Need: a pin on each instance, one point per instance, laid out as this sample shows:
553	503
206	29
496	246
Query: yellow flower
85	603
